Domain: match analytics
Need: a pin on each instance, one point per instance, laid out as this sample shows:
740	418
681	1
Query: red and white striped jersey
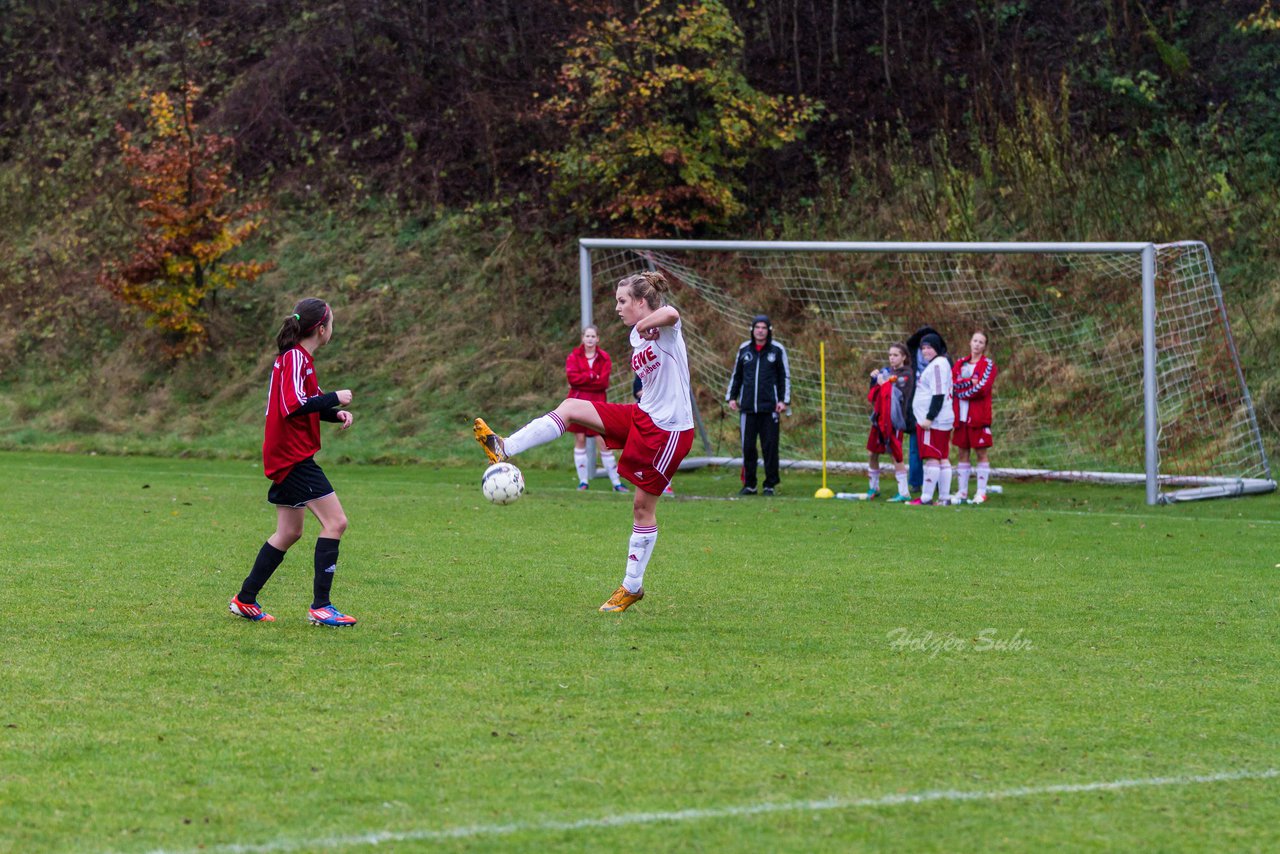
972	383
290	440
663	369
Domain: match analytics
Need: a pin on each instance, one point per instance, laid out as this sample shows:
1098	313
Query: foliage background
401	148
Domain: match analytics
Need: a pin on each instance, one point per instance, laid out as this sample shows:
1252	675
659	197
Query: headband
324	317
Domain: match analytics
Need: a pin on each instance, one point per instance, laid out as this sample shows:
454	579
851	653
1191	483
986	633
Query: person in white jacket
931	405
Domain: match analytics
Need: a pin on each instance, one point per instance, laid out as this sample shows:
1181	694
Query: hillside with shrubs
173	176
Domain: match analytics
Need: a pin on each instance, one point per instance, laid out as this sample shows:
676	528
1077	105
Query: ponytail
307	316
648	286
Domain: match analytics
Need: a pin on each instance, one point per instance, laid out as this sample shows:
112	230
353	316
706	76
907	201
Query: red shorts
650	455
878	443
934	444
594	397
968	436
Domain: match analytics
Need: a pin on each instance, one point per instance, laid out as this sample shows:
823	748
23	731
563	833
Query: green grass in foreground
482	688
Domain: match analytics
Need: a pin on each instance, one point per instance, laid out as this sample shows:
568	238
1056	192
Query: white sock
537	432
874	476
903	489
930	480
962	474
984	473
638	551
580	463
610	464
944	482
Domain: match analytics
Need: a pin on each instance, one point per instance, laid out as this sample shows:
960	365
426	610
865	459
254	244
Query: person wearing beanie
760	391
934	416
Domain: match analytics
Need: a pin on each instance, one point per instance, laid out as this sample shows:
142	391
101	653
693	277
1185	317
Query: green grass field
803	675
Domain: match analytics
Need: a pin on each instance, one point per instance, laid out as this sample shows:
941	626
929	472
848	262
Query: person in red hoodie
973	378
886	384
295	408
587	368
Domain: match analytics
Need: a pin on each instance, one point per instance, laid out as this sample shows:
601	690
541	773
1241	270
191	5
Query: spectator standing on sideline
888	413
760	391
915	468
587	369
972	379
931	404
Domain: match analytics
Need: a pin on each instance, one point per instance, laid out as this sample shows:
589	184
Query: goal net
1116	361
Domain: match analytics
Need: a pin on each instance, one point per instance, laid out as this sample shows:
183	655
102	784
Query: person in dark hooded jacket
760	390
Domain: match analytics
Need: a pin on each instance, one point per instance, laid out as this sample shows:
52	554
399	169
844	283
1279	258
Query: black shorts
305	482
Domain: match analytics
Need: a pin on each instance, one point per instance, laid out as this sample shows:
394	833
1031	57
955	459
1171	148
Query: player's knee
338	526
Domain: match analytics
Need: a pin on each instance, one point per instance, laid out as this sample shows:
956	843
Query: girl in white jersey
654	434
931	405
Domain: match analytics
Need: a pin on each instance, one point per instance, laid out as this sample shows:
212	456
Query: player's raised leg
539	431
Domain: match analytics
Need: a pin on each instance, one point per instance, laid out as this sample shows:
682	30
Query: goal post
1063	319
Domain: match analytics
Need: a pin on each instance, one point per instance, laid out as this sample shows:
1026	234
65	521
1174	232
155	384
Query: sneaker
980	498
747	490
622	599
768	490
617	487
249	610
960	498
916	502
667	491
490	441
582	487
900	499
872	494
329	616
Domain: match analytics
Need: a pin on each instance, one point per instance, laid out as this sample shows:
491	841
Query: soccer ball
502	483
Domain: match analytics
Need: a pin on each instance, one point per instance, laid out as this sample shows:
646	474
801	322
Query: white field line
708	814
994	507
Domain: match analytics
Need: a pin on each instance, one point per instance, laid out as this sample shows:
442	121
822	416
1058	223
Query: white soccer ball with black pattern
502	483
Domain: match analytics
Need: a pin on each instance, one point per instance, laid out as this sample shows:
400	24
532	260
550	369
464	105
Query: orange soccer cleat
490	441
622	599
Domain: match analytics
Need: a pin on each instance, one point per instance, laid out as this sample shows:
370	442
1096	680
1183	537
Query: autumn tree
659	120
190	223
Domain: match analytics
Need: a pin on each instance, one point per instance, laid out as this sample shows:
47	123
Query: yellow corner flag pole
822	373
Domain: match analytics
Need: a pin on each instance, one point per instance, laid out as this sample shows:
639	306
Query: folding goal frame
1195	487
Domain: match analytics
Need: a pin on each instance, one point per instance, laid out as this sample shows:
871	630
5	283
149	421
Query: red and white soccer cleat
249	610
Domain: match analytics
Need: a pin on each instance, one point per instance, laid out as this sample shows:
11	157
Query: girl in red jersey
587	368
974	377
884	437
654	434
295	408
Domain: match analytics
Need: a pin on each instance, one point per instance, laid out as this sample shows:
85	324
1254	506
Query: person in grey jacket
760	391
